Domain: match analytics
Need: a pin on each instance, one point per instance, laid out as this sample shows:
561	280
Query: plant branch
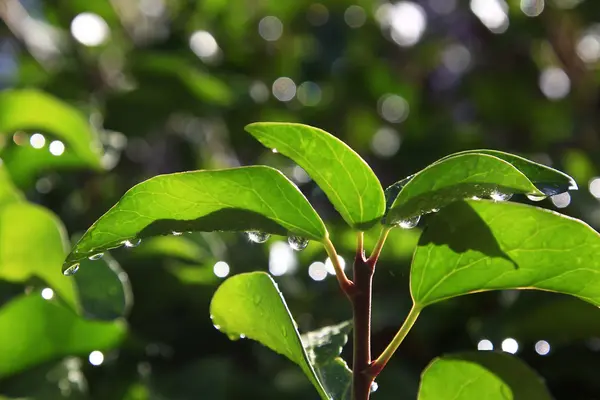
377	365
346	284
361	307
379	246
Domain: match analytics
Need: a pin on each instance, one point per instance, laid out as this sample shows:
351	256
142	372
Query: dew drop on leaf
408	223
500	196
257	236
242	336
71	270
177	233
374	387
217	327
534	197
133	242
297	243
97	256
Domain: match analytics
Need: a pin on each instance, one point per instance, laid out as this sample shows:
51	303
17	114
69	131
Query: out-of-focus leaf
455	178
200	84
33	110
8	192
50	331
324	347
346	179
475	246
104	289
239	199
250	305
481	375
194	274
178	247
33	243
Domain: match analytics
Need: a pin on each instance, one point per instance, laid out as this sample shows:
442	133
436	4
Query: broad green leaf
8	192
49	332
33	110
250	305
323	347
238	199
451	179
33	243
475	246
104	289
548	180
481	375
346	179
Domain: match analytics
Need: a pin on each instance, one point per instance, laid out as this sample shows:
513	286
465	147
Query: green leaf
346	179
49	332
8	192
451	179
475	246
33	242
548	180
104	289
481	375
323	347
33	110
238	199
178	247
250	305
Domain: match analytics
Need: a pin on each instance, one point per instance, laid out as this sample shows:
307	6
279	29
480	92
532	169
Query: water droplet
500	196
71	269
284	332
297	243
257	300
217	327
434	210
275	151
535	197
242	336
177	233
96	256
258	236
408	223
475	198
374	387
133	242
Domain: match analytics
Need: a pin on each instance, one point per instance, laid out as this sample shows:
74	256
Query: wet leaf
251	305
475	246
238	199
346	179
481	375
455	178
33	243
49	332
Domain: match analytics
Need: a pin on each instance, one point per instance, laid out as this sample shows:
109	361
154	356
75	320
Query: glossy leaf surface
481	375
49	332
475	246
238	199
454	178
250	305
341	173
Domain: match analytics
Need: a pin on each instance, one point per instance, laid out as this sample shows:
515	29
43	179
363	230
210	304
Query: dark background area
169	86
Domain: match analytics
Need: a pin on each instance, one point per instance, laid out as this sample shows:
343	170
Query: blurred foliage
157	95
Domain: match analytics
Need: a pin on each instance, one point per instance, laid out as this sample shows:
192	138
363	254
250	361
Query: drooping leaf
104	289
475	246
49	332
33	243
548	180
250	305
481	375
238	199
454	178
34	110
323	347
346	179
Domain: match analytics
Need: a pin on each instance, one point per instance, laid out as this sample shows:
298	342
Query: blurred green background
136	88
